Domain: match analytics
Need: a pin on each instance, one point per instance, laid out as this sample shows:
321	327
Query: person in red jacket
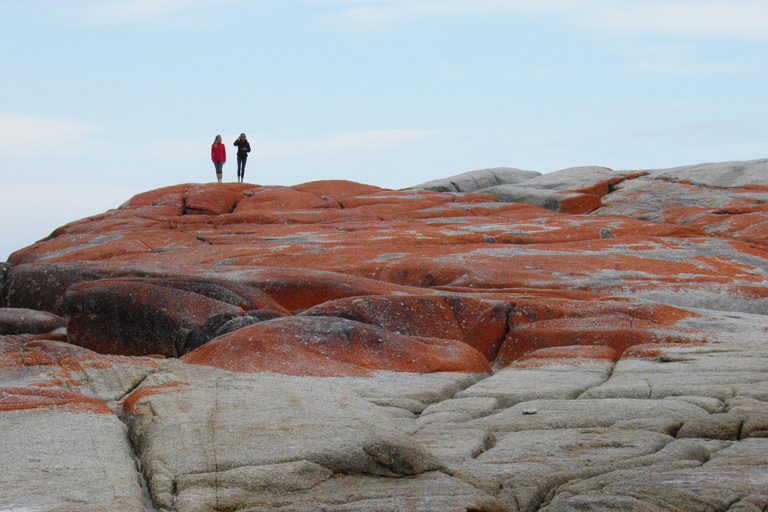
219	156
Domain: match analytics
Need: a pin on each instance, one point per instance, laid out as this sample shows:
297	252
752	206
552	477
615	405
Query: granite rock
454	346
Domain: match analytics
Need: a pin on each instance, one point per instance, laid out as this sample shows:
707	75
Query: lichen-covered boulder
136	318
20	321
328	346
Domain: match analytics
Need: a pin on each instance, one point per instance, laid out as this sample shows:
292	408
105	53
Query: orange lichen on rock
26	398
573	352
415	263
130	403
333	347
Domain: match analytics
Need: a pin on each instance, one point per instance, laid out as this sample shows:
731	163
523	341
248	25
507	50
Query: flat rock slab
229	422
718	371
585	413
67	462
734	479
428	492
541	379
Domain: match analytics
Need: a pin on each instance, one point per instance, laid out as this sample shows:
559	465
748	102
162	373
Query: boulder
752	173
554	200
130	317
69	372
19	321
327	346
477	180
592	180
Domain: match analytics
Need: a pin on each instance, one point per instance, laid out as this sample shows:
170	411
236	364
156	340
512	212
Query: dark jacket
243	148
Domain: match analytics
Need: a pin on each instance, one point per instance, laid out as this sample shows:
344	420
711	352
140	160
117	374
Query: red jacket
218	153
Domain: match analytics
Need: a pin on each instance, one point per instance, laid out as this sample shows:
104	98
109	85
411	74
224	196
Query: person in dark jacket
243	148
218	156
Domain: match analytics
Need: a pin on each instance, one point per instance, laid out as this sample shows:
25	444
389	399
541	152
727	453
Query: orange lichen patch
573	352
166	195
622	312
74	358
750	189
397	197
751	227
282	199
208	200
10	355
579	203
132	400
529	338
482	324
489	330
298	289
655	350
389	210
612	332
333	347
18	399
430	316
281	217
336	190
601	188
37	358
84	247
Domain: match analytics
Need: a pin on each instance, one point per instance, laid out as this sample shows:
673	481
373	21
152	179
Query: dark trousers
241	166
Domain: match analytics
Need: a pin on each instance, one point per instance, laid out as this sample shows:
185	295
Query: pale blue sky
102	99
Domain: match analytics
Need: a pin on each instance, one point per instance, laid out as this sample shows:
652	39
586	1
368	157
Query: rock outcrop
501	340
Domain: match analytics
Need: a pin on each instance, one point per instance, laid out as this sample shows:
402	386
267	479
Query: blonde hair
217	140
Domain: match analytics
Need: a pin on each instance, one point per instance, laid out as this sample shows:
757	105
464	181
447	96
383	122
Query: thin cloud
23	134
707	18
739	19
118	12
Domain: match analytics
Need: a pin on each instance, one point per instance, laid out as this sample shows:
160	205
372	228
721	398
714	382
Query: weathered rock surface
500	340
28	321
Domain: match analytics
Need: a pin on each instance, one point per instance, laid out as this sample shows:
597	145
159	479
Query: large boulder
328	346
20	320
132	317
477	180
554	200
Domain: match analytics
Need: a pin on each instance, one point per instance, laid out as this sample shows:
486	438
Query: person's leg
242	173
219	169
239	167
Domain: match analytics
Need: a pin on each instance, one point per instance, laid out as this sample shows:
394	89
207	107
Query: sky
101	100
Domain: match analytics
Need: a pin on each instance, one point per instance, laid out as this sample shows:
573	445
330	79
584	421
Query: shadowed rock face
500	340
